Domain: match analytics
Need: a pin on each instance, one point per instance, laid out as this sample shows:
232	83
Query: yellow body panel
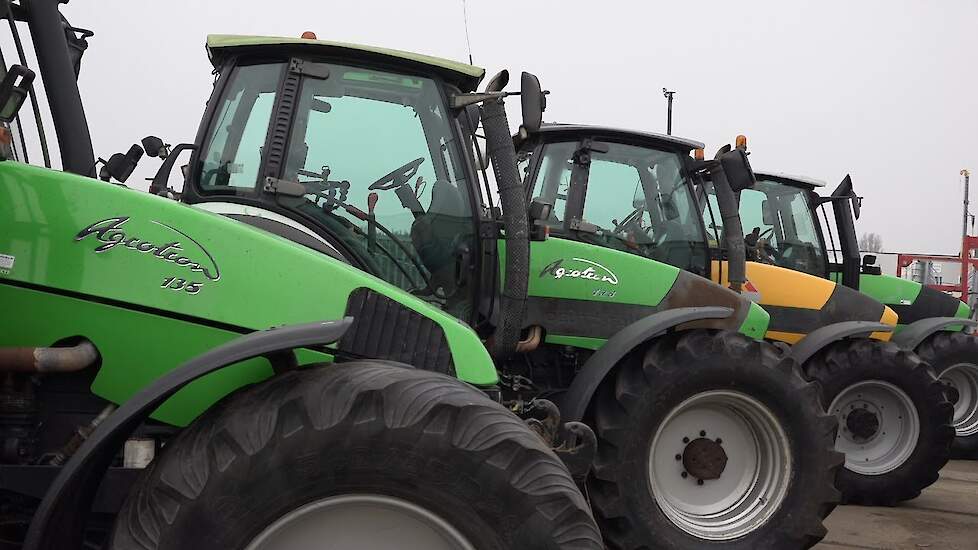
778	287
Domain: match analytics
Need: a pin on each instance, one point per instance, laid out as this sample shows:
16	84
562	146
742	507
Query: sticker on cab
6	263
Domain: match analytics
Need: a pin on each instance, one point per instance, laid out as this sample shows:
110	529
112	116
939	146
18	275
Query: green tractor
311	345
930	320
634	192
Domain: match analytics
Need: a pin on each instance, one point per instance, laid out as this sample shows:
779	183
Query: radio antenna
465	20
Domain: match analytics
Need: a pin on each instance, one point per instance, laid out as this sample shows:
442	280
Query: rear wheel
954	357
706	438
363	455
894	419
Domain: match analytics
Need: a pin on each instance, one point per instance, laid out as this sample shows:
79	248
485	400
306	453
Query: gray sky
885	91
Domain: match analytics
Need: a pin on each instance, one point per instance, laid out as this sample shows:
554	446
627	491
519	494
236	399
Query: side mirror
120	166
155	147
534	102
869	259
14	90
539	213
766	216
857	205
735	165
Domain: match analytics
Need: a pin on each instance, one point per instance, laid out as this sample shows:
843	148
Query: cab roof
465	76
796	181
552	130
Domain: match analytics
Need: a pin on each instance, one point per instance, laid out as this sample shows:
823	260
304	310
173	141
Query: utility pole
668	95
964	227
965	264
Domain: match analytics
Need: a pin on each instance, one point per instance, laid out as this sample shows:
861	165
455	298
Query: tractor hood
800	303
911	300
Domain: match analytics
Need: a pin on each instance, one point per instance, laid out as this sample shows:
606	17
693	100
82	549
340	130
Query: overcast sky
883	90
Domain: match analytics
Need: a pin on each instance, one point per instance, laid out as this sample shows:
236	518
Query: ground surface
944	517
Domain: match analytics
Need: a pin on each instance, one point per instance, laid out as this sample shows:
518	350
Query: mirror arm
162	177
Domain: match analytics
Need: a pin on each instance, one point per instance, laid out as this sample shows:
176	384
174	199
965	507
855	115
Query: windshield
374	153
779	225
637	200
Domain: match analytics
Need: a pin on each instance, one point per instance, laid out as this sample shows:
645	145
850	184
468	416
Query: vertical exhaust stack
57	66
502	153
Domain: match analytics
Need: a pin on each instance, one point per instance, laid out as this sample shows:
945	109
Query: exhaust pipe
48	360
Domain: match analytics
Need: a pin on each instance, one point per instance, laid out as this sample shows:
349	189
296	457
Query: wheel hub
704	459
862	423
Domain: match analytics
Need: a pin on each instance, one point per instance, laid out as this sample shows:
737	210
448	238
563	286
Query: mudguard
60	519
913	334
574	403
821	337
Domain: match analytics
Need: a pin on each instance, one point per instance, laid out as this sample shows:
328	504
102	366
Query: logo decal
592	271
186	254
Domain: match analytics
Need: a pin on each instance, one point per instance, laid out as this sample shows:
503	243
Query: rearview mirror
735	165
14	90
533	100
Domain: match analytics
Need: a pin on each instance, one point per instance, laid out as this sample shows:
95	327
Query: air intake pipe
502	153
733	229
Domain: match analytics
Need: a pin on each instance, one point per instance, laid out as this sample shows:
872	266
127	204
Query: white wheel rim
360	522
752	485
883	449
964	378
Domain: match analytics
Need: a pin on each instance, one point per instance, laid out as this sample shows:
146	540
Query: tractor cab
350	150
779	223
624	190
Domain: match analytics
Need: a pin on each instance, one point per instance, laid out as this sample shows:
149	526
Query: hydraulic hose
512	303
733	230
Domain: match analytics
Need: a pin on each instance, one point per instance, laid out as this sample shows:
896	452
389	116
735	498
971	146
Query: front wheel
894	419
356	455
708	438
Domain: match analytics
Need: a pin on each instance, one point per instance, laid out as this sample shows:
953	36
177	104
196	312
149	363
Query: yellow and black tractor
894	417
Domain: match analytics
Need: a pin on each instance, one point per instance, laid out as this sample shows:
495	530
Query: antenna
465	20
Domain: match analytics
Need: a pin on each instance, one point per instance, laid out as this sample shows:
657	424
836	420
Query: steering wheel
397	177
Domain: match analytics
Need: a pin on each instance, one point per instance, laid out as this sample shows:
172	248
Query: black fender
59	521
817	339
574	403
913	334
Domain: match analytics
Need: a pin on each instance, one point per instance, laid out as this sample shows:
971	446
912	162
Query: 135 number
176	283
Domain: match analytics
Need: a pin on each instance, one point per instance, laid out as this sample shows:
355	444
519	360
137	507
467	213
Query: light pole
668	95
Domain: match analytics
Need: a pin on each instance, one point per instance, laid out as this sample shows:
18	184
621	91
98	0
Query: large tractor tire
954	357
894	419
362	455
706	438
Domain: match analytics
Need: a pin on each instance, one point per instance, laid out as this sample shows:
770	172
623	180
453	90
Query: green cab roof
465	75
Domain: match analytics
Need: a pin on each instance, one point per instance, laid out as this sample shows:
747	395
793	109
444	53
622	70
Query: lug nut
699	482
679	457
685	440
702	433
684	475
719	441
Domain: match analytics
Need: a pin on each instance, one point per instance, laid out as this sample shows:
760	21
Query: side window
553	178
232	154
614	191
